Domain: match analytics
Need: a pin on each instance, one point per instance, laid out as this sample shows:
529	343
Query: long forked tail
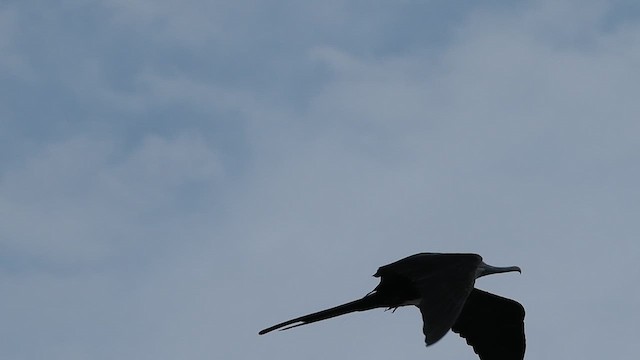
371	301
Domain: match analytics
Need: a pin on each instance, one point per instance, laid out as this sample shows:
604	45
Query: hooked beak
484	269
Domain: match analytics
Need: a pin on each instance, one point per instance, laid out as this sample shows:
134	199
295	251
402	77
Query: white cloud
83	200
516	138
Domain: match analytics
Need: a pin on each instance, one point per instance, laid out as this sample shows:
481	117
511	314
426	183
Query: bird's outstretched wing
493	326
443	282
443	299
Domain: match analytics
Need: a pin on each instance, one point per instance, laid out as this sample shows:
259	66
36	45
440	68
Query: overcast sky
176	175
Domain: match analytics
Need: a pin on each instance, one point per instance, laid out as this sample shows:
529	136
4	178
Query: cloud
84	200
179	175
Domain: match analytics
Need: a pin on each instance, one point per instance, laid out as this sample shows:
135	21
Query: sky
176	175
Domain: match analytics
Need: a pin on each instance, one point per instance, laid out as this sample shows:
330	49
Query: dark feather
442	281
368	302
493	326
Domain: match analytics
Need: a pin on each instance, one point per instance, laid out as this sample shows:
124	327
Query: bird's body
442	287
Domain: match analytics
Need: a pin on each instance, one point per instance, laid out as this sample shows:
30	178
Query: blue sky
177	175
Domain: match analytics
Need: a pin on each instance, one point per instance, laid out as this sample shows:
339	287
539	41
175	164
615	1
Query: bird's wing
441	303
493	326
442	281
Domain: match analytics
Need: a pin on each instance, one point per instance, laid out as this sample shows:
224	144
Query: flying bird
442	287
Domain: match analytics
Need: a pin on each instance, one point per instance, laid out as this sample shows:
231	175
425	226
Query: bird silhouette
442	287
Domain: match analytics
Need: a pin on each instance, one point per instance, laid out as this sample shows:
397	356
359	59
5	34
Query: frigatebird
442	287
